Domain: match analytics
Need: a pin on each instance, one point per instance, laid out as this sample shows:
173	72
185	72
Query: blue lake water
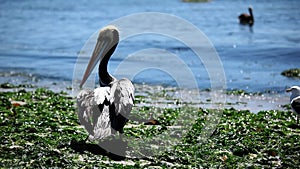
40	40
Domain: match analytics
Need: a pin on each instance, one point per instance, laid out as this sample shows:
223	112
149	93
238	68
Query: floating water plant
295	72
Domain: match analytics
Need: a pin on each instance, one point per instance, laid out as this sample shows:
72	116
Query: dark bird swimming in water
247	19
104	111
295	100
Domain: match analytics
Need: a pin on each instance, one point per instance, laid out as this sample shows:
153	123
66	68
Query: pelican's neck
251	20
250	11
104	77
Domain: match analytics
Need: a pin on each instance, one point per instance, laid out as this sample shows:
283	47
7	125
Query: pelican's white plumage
295	100
104	110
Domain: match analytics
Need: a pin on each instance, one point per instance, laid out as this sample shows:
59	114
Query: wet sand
160	96
172	97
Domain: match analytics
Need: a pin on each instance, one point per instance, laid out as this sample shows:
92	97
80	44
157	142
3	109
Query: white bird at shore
295	100
105	110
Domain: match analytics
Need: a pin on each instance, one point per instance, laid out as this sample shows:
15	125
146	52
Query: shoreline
240	100
162	96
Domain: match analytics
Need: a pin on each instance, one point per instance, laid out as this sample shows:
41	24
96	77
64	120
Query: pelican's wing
122	98
86	106
102	126
93	112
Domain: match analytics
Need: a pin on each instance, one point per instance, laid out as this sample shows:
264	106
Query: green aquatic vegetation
165	117
241	92
36	129
11	86
139	99
44	131
246	139
295	72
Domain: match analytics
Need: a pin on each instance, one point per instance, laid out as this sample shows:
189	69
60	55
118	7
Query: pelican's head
108	35
250	8
107	41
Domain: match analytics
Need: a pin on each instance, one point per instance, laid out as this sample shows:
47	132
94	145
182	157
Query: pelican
295	100
246	18
104	111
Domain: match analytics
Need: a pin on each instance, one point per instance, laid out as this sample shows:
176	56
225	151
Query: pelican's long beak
98	54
